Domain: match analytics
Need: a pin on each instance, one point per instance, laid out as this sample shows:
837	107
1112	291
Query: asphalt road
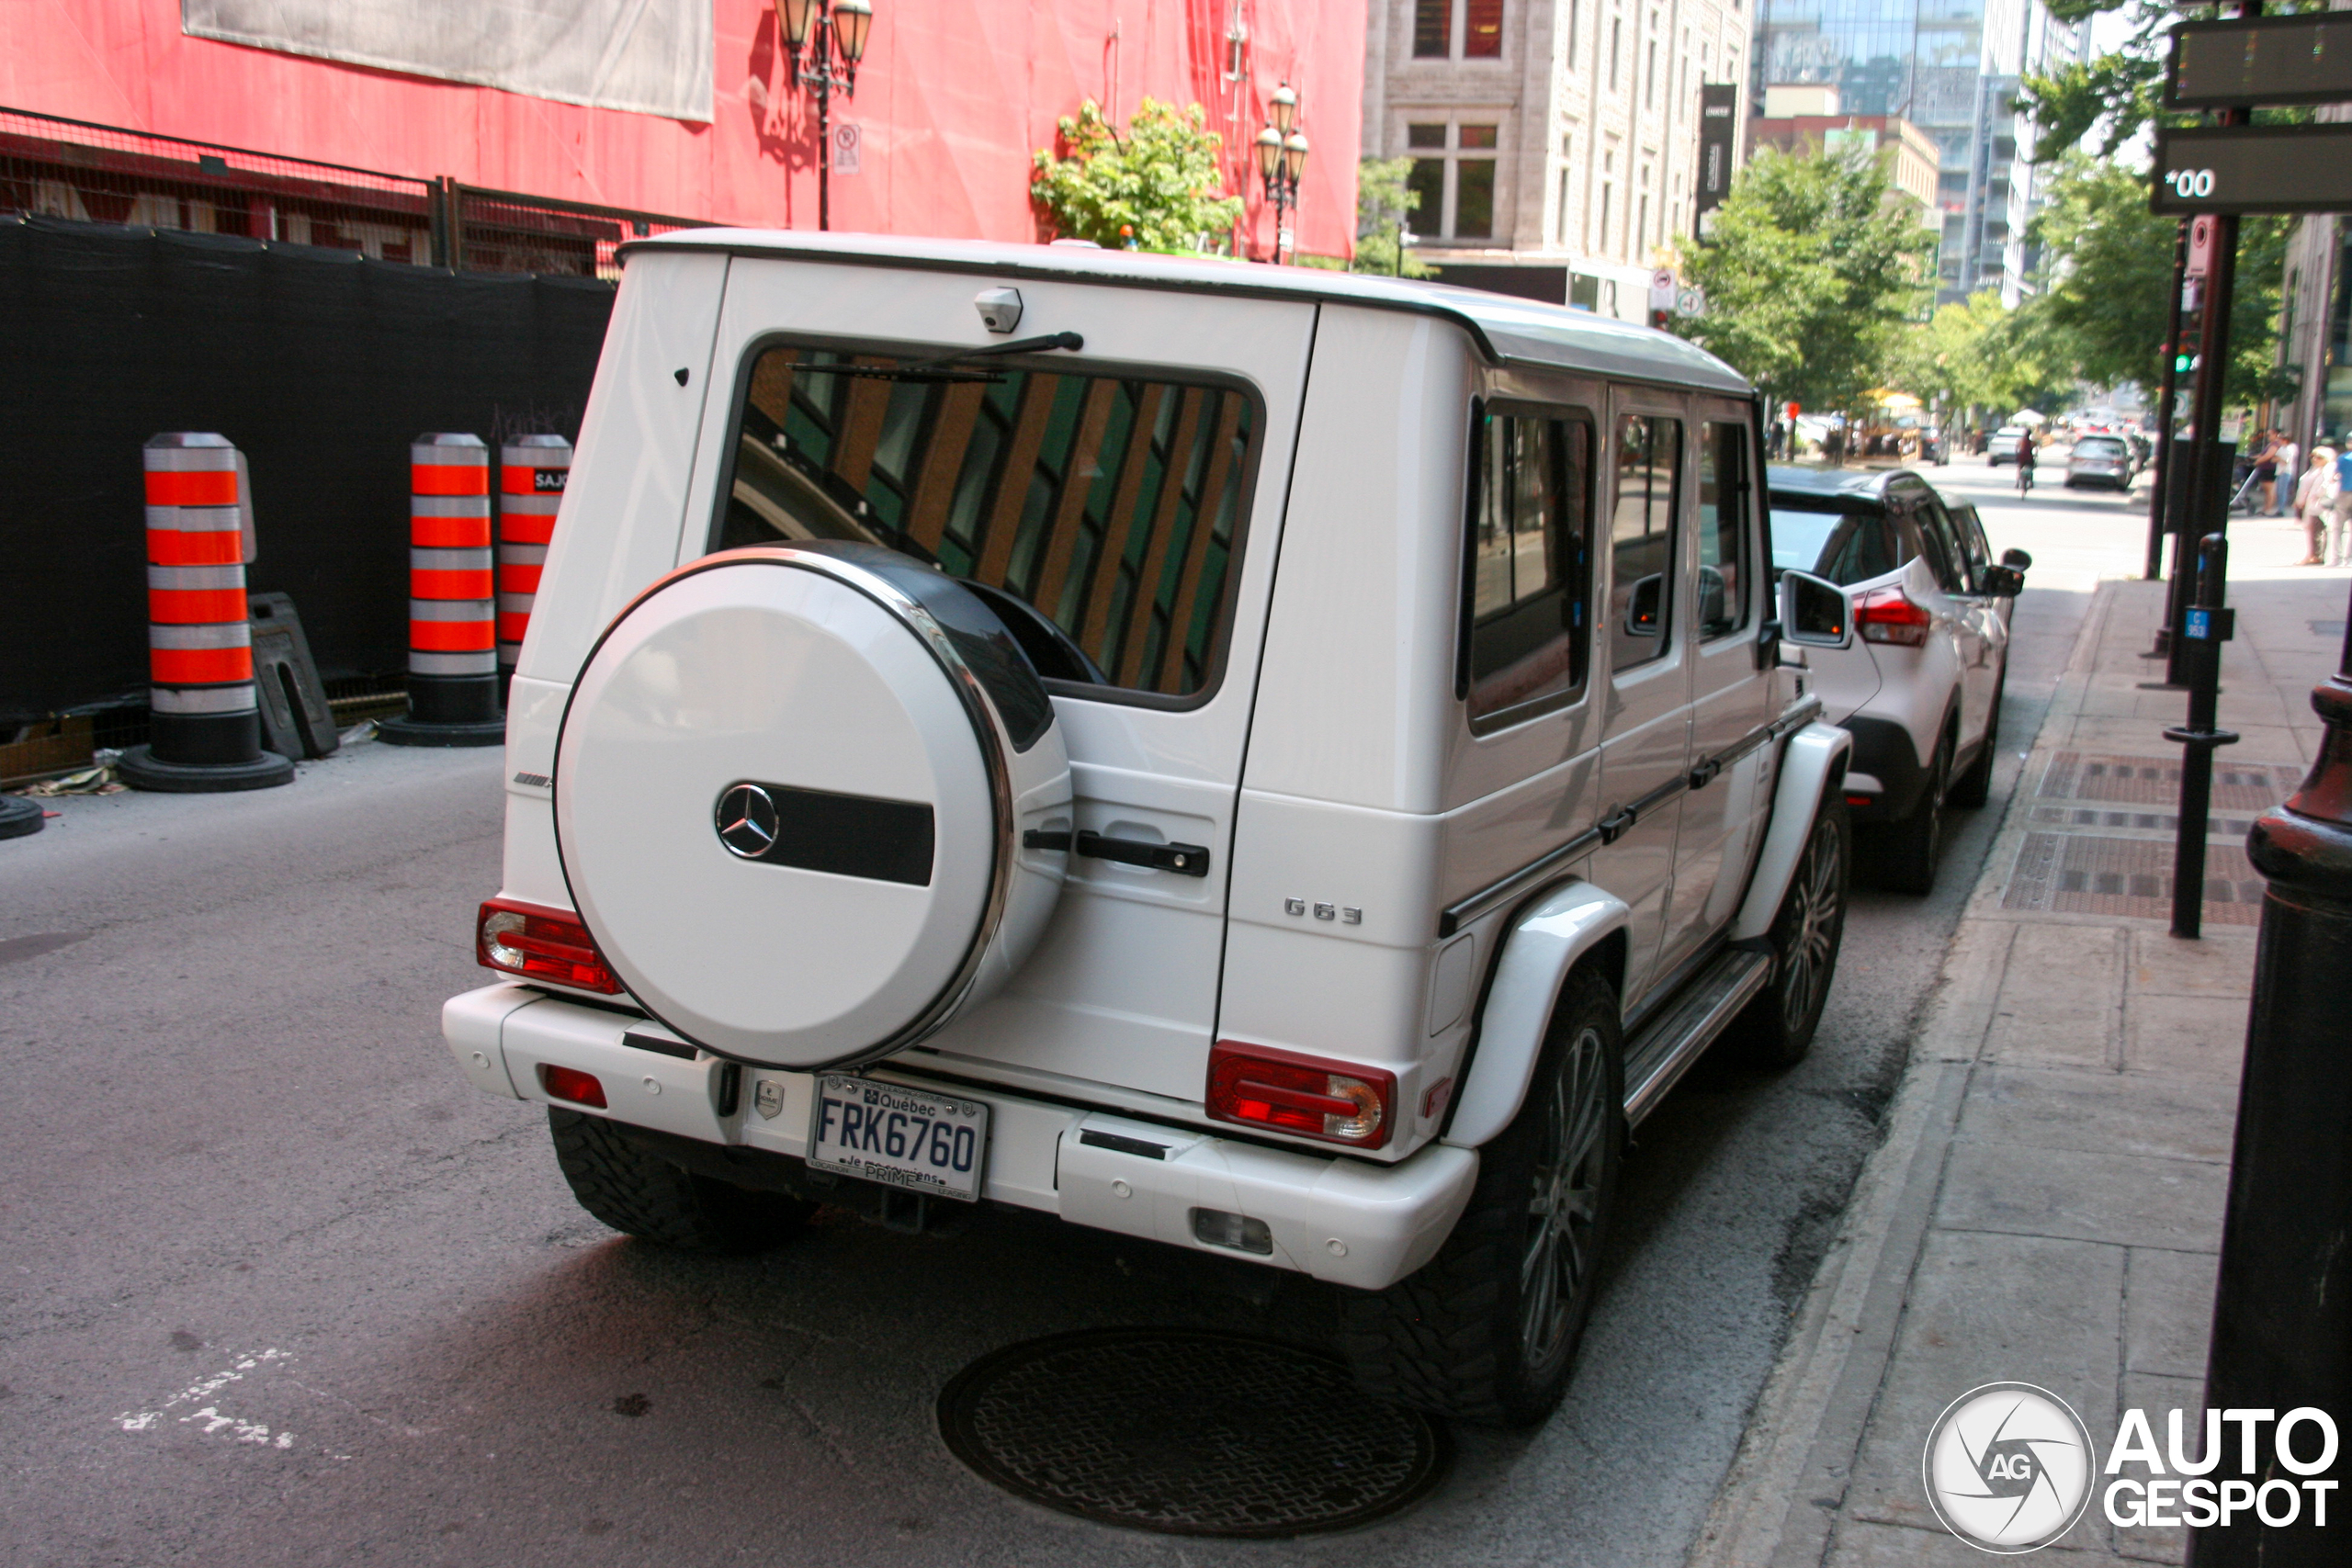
275	1286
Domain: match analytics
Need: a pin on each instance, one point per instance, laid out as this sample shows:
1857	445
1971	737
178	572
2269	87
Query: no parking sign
848	141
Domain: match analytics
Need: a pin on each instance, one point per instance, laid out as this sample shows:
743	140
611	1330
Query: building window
1482	29
1433	28
1569	57
1482	32
1473	199
1642	225
1649	79
1563	210
1461	206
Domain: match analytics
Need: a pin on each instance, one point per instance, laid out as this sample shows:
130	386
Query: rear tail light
569	1083
540	944
1341	1102
1888	615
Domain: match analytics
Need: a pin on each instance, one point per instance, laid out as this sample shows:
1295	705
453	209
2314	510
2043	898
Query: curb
1779	1501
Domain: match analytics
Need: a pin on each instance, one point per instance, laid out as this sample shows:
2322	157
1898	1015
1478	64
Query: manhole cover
1188	1433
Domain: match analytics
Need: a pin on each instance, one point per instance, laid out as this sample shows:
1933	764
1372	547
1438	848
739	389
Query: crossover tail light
1889	614
1340	1102
572	1084
539	944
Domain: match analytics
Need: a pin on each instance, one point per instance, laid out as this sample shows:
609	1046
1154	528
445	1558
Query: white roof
1508	330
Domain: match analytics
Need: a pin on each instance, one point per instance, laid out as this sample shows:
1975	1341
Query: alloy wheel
1813	932
1564	1203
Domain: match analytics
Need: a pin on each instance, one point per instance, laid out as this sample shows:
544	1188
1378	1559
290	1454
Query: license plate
900	1137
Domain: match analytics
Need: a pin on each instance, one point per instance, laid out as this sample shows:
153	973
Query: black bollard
2205	626
2282	1314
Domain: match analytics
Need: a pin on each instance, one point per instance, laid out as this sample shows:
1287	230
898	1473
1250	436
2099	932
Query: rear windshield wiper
947	367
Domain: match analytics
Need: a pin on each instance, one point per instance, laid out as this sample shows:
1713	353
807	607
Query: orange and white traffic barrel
531	474
204	730
452	619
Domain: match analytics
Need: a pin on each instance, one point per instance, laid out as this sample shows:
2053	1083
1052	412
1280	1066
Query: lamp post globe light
1281	160
826	28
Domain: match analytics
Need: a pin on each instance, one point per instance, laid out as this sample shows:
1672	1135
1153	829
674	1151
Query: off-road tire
1775	1028
1974	788
1909	850
1450	1339
640	1194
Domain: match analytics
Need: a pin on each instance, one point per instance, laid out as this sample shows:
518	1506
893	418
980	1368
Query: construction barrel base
142	769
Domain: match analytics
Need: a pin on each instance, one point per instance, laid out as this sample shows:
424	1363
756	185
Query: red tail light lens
1341	1102
540	944
1888	615
569	1083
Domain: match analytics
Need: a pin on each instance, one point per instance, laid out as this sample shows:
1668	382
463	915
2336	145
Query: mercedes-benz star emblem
745	818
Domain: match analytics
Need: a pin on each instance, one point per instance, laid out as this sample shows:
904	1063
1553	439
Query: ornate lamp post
1282	159
839	26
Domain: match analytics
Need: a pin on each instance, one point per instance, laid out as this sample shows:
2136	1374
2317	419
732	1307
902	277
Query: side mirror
1646	607
2001	581
1813	612
2016	559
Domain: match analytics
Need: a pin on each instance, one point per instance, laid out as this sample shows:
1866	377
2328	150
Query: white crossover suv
1285	765
1920	686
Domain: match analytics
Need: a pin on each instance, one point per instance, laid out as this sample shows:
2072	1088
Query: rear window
1842	547
2099	446
1101	515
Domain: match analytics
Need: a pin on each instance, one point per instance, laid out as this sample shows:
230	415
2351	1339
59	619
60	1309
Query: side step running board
1666	1046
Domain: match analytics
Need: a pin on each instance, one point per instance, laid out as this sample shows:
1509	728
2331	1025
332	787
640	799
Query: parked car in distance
2105	460
1921	687
2003	445
924	790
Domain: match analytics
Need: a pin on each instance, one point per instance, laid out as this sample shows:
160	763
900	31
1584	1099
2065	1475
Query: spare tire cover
790	792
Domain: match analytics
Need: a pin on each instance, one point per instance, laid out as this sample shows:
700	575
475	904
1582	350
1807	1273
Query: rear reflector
1861	800
1215	1227
1338	1101
568	1083
540	944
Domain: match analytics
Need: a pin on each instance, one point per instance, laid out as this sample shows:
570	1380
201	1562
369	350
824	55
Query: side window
1723	503
1099	515
1643	535
1942	546
1530	563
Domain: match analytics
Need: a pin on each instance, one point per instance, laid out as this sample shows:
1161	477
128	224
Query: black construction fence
319	317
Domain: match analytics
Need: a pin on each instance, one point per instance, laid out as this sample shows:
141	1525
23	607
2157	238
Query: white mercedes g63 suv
1278	763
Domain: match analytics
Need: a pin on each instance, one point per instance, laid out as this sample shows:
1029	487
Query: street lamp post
839	26
1282	159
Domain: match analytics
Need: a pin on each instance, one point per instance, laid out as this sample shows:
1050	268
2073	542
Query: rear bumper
1883	751
1346	1221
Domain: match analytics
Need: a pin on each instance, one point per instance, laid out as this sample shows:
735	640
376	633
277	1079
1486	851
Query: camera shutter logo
2009	1467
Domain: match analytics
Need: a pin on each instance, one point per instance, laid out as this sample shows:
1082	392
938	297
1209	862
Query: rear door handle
1185	860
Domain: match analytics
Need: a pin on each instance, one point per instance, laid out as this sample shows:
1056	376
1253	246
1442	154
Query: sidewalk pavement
2047	1205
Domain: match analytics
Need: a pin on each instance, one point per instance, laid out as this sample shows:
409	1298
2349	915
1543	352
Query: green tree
2108	262
1384	206
1810	277
1158	189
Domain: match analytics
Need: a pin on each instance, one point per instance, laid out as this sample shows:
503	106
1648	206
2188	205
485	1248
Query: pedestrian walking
2316	492
2291	458
2265	472
2340	509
